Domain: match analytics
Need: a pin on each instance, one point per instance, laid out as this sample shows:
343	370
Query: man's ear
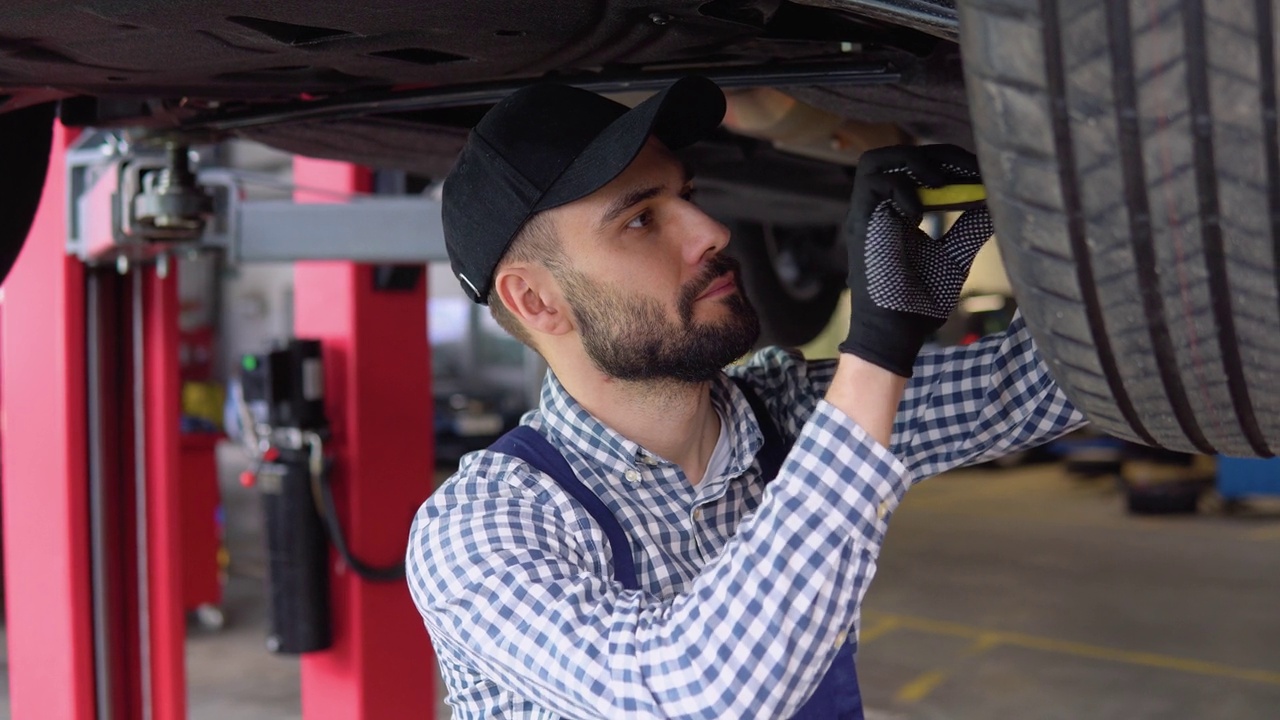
532	295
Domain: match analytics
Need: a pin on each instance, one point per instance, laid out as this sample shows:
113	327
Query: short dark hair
535	242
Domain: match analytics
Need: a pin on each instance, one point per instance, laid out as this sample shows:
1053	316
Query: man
573	219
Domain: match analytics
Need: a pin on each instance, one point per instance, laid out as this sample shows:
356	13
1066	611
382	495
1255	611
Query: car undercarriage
1129	149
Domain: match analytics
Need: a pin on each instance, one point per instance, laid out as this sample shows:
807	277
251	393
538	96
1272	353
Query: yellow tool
952	197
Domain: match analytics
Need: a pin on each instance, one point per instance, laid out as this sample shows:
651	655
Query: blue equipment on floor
1239	478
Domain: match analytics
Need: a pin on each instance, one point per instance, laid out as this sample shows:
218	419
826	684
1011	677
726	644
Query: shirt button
697	513
882	510
840	638
632	476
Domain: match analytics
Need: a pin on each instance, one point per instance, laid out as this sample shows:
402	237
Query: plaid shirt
748	590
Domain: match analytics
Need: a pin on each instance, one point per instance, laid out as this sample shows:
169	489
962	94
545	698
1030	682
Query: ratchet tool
952	197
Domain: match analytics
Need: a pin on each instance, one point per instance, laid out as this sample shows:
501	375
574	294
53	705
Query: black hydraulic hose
329	515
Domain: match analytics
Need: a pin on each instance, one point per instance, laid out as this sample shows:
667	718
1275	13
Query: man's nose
704	235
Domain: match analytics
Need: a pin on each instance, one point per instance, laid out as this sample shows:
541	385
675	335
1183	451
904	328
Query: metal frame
360	104
102	176
934	17
124	597
378	230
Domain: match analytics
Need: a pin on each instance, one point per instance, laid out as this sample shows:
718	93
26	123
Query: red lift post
49	574
378	396
45	496
378	387
165	486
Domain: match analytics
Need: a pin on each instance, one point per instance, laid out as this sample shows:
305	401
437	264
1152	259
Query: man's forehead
655	165
653	169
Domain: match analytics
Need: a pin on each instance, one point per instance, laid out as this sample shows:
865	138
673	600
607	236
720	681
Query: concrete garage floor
1029	594
1024	594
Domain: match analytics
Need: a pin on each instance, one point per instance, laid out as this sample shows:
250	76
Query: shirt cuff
857	478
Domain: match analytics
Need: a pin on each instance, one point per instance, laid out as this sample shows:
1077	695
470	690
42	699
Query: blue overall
837	696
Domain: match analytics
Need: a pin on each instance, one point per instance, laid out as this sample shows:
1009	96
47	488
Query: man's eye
690	195
641	220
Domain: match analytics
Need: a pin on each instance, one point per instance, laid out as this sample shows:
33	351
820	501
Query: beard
635	339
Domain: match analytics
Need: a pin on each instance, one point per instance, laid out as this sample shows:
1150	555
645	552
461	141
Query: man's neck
673	420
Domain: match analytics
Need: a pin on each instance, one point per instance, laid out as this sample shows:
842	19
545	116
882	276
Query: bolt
661	18
122	265
178	170
162	266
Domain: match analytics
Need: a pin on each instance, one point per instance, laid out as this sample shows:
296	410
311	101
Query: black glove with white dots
905	283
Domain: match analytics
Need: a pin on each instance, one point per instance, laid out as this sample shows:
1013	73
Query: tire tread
1128	223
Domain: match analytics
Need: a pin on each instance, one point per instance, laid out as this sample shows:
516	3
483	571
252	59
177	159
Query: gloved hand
904	283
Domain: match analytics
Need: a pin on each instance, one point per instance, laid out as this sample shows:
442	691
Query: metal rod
359	104
97	498
140	492
933	17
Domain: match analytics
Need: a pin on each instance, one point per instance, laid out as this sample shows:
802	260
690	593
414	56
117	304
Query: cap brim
687	111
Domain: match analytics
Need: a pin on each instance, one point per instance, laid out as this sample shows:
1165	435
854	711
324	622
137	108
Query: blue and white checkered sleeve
969	404
508	587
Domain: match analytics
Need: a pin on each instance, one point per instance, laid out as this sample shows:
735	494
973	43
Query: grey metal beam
381	230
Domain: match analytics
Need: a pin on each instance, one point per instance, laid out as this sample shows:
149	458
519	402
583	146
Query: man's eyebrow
627	200
637	196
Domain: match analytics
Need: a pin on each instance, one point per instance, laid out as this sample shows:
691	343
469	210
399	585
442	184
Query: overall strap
530	446
838	696
775	449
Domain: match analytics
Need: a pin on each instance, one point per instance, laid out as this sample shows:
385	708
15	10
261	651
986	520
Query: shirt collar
746	438
577	428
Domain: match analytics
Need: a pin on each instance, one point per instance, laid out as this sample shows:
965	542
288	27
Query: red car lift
92	489
379	396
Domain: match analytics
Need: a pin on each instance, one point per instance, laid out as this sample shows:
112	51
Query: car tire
26	136
1132	165
787	279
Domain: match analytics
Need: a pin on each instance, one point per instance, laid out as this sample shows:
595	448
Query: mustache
716	267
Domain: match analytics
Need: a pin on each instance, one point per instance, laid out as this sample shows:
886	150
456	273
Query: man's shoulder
483	476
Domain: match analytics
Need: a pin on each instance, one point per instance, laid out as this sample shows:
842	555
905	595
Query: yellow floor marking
919	688
993	638
878	630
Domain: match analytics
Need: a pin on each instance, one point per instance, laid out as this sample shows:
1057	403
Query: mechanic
732	518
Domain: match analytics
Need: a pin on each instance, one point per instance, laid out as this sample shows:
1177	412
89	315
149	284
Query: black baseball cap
547	145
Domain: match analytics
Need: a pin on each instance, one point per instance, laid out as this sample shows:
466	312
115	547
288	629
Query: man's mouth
722	285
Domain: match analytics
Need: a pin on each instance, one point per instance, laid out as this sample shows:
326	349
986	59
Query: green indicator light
250	363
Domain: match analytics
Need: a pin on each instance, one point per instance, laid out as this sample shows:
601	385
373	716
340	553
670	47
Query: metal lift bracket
108	181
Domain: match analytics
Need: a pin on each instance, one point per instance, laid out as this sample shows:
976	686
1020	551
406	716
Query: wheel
1132	162
1233	506
788	276
1160	482
26	136
1172	499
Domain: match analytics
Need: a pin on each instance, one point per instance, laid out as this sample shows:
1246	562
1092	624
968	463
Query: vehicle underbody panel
267	65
